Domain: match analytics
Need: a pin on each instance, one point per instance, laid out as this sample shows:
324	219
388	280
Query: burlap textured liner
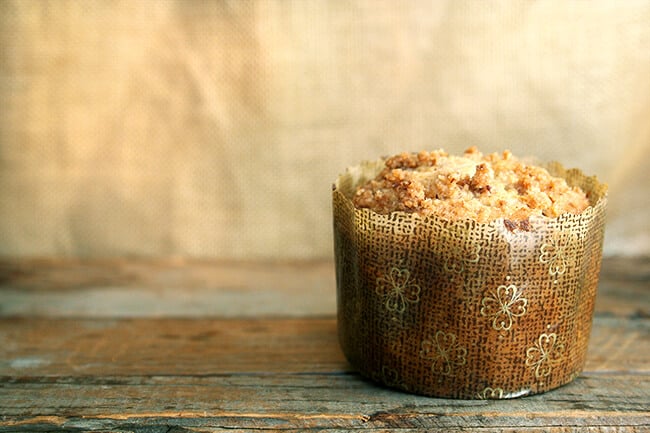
462	309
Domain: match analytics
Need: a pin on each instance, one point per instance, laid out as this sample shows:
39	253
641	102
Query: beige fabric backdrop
215	128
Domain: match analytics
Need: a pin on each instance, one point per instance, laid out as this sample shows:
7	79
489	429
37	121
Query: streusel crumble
476	186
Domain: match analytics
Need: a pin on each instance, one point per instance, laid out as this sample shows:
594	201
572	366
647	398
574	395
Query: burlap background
215	128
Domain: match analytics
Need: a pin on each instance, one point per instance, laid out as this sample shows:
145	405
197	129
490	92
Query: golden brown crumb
473	186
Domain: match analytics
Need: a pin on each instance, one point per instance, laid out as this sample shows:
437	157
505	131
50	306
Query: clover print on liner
503	305
458	264
444	351
390	377
397	289
490	393
545	354
553	253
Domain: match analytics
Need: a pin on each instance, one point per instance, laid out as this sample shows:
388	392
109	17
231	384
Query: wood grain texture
194	288
80	347
168	346
169	288
315	401
199	370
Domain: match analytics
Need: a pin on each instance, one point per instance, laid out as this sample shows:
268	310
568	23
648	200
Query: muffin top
475	186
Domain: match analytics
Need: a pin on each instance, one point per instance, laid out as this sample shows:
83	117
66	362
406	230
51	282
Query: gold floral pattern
459	264
490	393
545	354
553	253
445	352
390	377
503	305
397	289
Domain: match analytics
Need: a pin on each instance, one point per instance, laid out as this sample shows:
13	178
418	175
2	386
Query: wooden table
197	346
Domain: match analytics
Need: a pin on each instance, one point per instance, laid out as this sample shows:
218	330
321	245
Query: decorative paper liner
462	309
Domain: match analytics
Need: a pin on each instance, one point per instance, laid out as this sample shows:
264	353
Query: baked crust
475	186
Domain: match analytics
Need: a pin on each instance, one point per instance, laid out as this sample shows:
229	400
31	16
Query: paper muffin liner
461	309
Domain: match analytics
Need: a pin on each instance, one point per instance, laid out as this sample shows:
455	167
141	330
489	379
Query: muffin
469	276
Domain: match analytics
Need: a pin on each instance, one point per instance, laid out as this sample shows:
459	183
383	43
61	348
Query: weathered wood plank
162	426
167	346
165	428
147	346
178	288
619	345
214	346
624	287
153	288
315	401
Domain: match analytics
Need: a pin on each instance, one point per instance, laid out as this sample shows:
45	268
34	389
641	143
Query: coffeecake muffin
470	276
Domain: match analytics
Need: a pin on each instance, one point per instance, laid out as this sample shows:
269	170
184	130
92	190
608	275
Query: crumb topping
476	186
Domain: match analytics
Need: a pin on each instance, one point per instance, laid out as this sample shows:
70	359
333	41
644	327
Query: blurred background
215	129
